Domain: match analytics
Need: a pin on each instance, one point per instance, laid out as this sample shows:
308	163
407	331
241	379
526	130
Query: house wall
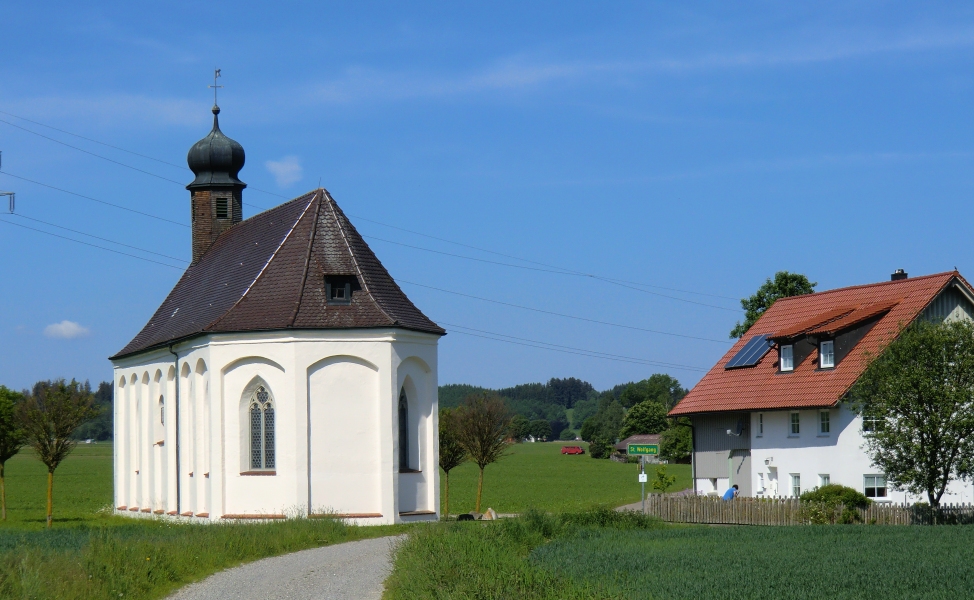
951	304
840	454
335	395
721	460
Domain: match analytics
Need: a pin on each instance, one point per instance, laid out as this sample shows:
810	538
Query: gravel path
349	571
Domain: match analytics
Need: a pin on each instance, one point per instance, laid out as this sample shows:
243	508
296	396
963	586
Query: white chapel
286	374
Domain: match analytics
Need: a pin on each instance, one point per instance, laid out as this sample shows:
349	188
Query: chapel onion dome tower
216	193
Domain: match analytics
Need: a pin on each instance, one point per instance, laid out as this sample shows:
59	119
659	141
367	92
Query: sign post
642	451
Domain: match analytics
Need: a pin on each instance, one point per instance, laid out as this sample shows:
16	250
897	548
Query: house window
796	484
261	430
222	208
823	422
787	358
824	480
874	486
826	355
871	424
403	432
760	425
760	483
795	424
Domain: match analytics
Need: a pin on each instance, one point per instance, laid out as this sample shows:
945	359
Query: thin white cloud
65	330
286	171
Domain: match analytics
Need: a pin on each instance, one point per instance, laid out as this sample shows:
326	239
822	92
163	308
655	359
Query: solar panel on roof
753	351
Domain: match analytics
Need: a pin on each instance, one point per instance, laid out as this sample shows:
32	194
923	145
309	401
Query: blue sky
698	148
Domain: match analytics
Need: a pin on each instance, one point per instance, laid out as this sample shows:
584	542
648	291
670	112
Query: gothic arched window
261	430
403	431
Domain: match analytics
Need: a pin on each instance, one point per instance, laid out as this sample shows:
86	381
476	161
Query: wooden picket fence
791	511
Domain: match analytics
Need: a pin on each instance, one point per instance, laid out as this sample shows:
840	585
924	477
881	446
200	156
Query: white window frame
830	355
794	424
871	424
824	423
761	483
796	484
760	431
787	358
875	480
824	479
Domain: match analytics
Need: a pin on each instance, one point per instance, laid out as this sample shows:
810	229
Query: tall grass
149	559
489	560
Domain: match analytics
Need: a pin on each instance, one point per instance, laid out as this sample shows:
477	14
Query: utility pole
10	195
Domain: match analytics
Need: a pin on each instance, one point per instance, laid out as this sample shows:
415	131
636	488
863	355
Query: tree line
542	410
46	418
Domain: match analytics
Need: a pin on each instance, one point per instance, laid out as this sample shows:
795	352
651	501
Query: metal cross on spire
216	74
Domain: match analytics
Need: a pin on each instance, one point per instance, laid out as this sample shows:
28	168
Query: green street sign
644	449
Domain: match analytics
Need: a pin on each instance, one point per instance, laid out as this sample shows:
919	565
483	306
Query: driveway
349	571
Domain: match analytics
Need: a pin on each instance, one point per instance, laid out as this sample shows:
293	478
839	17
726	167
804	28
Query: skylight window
339	288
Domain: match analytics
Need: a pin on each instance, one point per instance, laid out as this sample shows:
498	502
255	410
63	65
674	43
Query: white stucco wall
335	395
840	454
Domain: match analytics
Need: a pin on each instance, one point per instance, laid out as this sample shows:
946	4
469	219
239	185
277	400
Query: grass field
82	487
545	557
539	476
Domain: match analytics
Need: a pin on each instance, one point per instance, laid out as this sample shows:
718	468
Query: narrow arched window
162	410
403	431
261	430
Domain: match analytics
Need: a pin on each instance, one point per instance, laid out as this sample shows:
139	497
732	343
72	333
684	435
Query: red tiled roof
267	273
762	387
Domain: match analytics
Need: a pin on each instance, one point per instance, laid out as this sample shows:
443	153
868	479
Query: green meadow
539	476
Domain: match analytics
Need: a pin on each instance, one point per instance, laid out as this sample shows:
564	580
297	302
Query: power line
566	349
577	318
100	238
616	281
552	270
8	222
118	206
534	262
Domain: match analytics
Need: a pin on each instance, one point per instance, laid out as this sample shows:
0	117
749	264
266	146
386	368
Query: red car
572	450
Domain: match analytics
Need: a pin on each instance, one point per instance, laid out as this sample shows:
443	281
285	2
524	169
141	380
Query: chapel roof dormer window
339	288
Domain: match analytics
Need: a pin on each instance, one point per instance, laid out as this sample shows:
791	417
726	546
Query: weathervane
216	73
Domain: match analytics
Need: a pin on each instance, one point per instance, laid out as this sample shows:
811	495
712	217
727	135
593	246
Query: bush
821	504
837	494
600	448
566	435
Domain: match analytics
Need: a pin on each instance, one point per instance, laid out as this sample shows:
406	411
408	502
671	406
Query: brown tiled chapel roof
267	273
762	387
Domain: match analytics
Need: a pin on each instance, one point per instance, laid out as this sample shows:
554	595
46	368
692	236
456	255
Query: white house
770	417
285	374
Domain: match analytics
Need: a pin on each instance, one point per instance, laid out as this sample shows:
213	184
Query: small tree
566	435
785	284
676	443
663	482
648	416
49	416
452	454
483	423
917	403
600	448
541	429
11	438
520	428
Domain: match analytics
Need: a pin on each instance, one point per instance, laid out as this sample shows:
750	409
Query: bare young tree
452	454
483	425
49	415
11	439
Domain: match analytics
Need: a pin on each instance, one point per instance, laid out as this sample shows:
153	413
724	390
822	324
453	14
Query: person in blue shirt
731	492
